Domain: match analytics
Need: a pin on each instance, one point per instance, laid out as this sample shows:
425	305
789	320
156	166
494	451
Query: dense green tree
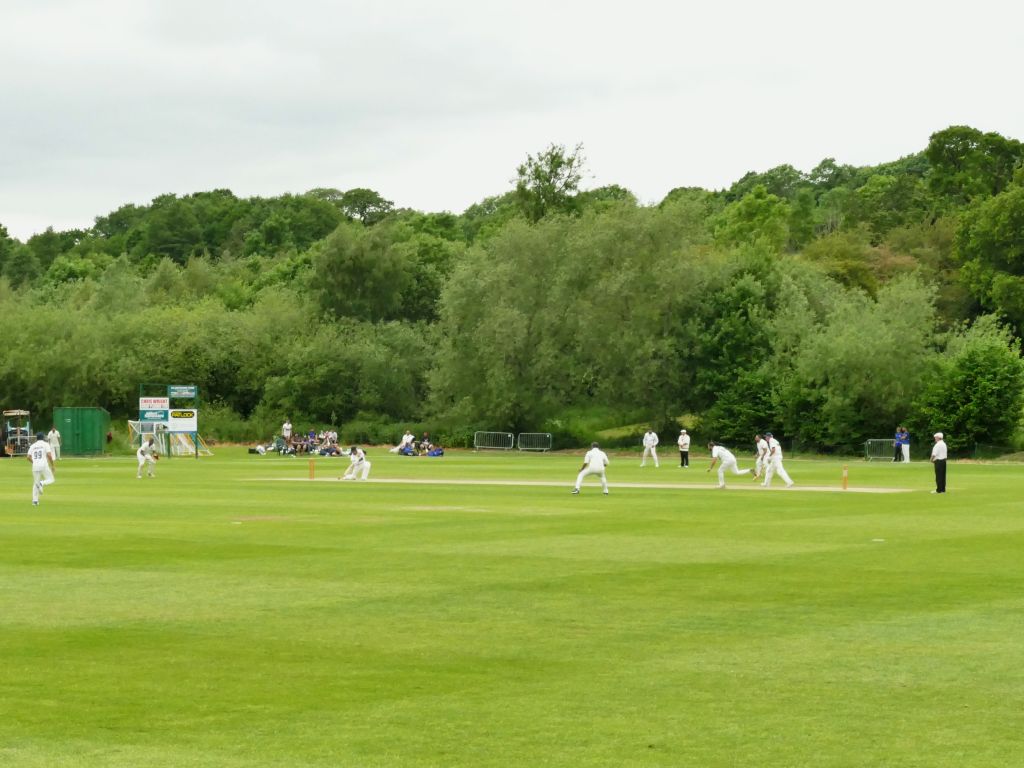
48	245
171	230
365	205
856	374
783	181
482	220
828	174
848	257
602	197
976	393
885	202
352	367
548	182
358	272
7	245
990	243
967	164
759	217
21	266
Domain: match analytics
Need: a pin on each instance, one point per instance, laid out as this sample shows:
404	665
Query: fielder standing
594	463
723	456
53	438
41	455
650	447
684	449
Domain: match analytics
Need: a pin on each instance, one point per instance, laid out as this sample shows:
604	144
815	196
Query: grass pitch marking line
556	484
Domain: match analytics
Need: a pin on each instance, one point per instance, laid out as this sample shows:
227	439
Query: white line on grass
556	484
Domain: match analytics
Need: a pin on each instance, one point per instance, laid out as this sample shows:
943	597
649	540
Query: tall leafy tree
365	205
967	164
990	242
6	246
548	182
759	217
977	391
359	273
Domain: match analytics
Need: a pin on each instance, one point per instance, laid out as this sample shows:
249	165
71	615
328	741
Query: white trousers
56	451
592	471
775	468
760	465
733	467
143	462
652	451
354	470
40	477
906	452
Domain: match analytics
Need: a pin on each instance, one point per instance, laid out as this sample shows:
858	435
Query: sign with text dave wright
158	410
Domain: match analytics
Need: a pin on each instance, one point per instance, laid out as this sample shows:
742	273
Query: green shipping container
83	431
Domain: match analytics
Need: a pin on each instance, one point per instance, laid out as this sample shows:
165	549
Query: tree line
828	305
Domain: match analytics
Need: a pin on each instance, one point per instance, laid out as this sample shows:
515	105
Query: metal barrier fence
502	441
878	450
534	441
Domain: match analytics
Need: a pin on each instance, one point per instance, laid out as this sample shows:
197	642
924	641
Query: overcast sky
434	104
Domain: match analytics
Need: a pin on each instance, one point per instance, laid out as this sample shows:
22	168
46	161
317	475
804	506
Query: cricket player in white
760	455
775	463
146	456
41	455
594	463
53	438
726	461
650	447
407	439
358	464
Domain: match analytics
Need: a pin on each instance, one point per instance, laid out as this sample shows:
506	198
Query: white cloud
435	104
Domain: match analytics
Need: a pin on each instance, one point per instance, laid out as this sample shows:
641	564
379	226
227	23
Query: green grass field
232	613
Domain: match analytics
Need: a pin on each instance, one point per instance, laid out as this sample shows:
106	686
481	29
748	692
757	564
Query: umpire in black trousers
939	453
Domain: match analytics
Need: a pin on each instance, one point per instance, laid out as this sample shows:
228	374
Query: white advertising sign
183	420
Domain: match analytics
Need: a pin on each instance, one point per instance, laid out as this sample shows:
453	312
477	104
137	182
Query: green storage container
83	431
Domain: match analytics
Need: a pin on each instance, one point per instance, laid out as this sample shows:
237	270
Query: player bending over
147	457
723	456
359	466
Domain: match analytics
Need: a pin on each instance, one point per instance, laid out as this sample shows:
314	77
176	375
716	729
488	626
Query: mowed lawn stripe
209	618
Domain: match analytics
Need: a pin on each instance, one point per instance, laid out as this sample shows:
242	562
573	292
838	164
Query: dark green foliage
783	182
365	205
7	245
967	164
991	244
21	265
808	303
976	392
358	273
548	183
